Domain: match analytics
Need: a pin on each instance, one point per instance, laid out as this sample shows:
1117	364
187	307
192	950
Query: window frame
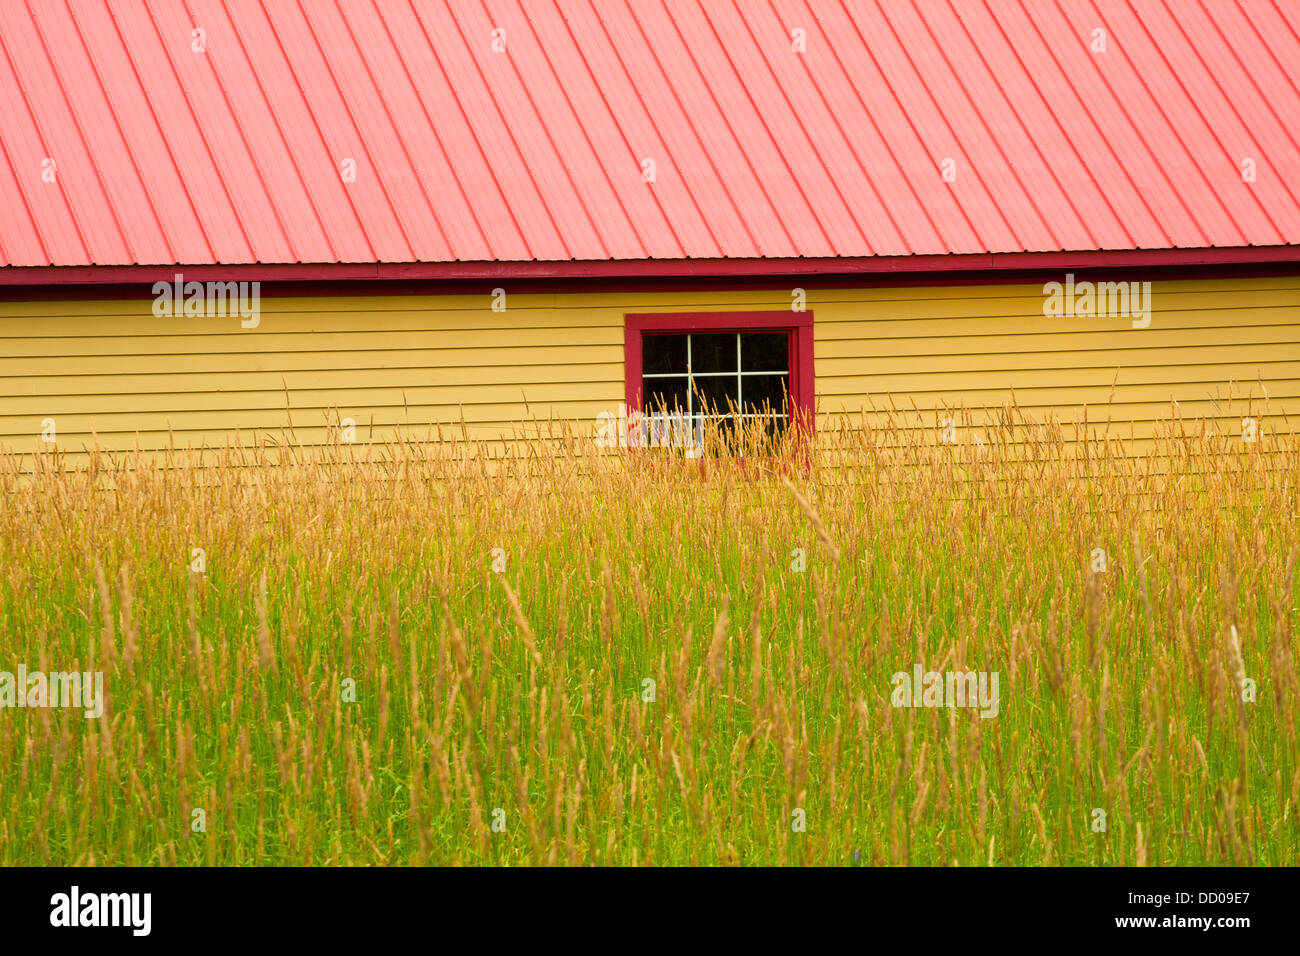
799	325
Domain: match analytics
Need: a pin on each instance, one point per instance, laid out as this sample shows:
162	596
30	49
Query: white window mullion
690	380
740	380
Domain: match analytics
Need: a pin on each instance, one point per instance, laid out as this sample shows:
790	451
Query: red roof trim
689	269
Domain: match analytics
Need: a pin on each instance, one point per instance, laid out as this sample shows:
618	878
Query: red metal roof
162	153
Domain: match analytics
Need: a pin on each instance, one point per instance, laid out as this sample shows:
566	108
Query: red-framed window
718	365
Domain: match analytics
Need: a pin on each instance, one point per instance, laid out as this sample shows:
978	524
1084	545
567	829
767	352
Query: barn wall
113	367
1208	343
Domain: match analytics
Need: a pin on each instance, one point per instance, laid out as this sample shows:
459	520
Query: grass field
647	671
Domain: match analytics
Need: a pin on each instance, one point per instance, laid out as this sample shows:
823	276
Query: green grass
380	571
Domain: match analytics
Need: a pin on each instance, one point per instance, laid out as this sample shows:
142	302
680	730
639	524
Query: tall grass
521	696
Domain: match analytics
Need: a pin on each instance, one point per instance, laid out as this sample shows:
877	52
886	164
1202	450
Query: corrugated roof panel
546	179
1261	99
1135	141
890	191
186	136
855	215
1210	123
271	179
549	110
790	178
755	85
369	110
1087	162
356	165
50	153
684	173
143	154
986	183
718	140
84	91
1047	156
608	135
903	111
320	172
435	205
836	146
469	173
250	213
490	129
28	234
1181	142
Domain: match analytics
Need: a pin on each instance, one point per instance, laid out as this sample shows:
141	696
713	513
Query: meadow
427	651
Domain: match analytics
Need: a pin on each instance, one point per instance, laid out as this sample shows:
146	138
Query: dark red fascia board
47	282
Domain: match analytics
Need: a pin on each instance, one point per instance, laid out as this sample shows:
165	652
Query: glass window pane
663	353
664	393
765	393
764	351
719	392
713	352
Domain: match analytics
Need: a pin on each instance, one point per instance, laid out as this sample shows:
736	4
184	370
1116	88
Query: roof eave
869	270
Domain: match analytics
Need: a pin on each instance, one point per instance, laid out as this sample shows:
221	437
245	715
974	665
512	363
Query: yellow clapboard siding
928	432
345	399
396	321
1193	363
217	421
1176	379
891	326
1053	342
358	341
207	381
409	362
383	361
1070	398
832	307
306	433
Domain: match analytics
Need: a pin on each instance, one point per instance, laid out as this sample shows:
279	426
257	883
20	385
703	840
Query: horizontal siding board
215	423
1193	363
1049	343
985	424
1067	404
893	326
139	383
835	320
304	341
383	361
345	399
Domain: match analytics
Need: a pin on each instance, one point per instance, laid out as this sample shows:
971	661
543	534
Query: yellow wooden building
108	367
577	216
